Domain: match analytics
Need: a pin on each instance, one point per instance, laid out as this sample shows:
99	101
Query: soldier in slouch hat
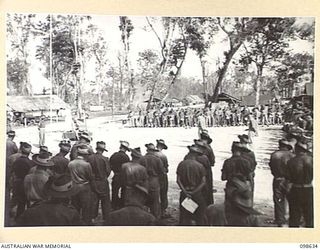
116	161
101	170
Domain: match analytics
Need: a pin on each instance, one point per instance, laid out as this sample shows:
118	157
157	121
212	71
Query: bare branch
154	31
222	27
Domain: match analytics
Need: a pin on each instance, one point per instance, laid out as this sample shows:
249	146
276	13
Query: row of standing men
232	115
27	179
45	182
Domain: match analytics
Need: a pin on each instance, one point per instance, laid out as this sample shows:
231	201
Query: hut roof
194	99
154	99
172	99
35	103
228	98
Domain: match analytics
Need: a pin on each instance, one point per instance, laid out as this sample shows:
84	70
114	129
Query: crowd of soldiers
230	115
59	190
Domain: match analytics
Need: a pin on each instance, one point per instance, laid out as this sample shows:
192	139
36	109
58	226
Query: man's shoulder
23	159
119	154
189	162
10	142
276	154
60	158
77	161
294	160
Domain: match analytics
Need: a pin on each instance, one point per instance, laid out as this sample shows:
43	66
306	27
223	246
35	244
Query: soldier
42	131
60	160
35	181
11	155
20	169
42	150
300	197
101	170
11	147
56	211
238	198
278	161
191	178
133	214
116	161
205	137
187	118
161	145
135	154
201	122
252	127
84	138
135	158
248	154
82	177
155	171
204	160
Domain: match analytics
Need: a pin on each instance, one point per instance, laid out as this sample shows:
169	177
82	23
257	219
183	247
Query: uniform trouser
116	201
7	206
19	197
265	120
164	192
198	216
300	203
200	129
82	201
41	136
104	199
105	205
279	199
209	185
251	180
154	197
154	203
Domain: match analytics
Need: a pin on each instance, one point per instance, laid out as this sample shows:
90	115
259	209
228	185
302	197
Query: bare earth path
177	139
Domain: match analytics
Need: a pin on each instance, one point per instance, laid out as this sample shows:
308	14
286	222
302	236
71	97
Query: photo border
265	8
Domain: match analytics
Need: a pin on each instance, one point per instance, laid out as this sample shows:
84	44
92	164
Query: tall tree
199	33
19	34
169	25
68	52
266	46
126	29
236	30
293	66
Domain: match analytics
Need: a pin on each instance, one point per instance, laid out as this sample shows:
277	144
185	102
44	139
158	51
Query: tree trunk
121	84
223	71
175	76
204	81
258	84
112	107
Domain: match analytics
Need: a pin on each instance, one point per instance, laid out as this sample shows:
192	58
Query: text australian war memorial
159	121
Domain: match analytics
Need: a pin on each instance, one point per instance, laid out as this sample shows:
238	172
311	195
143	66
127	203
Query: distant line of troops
51	190
232	115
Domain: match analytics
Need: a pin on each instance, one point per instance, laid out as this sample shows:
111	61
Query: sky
141	39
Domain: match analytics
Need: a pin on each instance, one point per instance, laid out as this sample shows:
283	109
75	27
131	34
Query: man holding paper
191	178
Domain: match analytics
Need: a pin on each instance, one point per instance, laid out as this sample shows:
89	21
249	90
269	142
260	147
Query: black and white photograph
159	121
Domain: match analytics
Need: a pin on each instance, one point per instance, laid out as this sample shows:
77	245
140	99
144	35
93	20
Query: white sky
141	39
